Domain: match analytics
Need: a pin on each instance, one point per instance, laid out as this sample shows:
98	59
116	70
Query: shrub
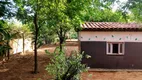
64	67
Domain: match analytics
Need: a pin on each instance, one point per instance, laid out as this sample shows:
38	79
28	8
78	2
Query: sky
116	5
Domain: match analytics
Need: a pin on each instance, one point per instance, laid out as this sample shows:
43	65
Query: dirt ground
20	66
123	75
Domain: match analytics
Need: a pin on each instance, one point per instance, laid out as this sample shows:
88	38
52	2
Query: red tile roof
111	26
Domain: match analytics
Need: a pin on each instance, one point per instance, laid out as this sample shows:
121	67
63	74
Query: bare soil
119	75
20	66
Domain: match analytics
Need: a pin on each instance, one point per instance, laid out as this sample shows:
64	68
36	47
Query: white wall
110	36
17	45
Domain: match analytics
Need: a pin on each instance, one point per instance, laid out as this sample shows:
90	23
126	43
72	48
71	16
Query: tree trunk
61	43
46	41
8	52
35	56
61	37
4	55
35	44
8	55
23	43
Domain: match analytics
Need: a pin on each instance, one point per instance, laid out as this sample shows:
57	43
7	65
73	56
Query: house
112	45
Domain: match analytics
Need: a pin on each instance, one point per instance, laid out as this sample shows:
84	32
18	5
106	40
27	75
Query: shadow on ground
19	67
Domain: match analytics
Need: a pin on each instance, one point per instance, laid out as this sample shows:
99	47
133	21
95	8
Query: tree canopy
135	8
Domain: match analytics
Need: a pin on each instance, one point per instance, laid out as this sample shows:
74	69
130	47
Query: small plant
64	67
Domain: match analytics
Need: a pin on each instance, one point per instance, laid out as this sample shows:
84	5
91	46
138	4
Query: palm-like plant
9	37
2	39
5	37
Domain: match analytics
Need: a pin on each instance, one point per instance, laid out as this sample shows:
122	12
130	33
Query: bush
64	67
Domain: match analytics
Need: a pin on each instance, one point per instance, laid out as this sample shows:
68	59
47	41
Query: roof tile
110	25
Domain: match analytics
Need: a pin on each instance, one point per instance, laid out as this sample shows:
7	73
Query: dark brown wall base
132	58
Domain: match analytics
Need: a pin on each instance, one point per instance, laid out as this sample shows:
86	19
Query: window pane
115	48
109	48
121	47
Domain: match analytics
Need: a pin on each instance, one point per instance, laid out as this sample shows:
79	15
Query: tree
131	10
9	36
18	31
105	15
5	9
5	12
101	11
3	46
25	33
62	15
47	36
31	12
6	36
135	7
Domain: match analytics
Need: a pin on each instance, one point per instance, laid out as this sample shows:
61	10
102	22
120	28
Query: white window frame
111	48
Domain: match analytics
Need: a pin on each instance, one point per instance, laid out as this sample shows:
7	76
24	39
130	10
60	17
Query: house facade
112	45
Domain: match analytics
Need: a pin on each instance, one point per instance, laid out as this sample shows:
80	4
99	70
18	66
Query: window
115	48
